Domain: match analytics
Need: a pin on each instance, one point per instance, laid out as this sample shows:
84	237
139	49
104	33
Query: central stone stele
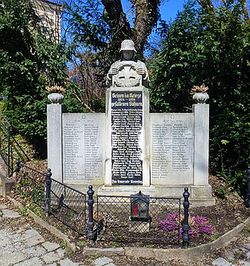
127	155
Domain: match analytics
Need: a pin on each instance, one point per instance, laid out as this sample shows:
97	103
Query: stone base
199	195
125	190
5	186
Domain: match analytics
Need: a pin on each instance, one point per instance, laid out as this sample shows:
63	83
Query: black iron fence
124	220
66	204
55	198
157	221
10	150
138	218
29	184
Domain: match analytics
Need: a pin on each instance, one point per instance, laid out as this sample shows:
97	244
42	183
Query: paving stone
50	246
28	237
3	206
221	262
23	235
7	213
67	262
50	257
30	233
248	256
36	251
53	264
101	261
53	256
30	262
247	246
60	252
35	240
12	258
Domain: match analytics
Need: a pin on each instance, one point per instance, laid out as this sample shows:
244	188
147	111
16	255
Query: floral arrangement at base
199	225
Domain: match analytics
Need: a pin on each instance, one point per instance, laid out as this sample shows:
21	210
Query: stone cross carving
128	72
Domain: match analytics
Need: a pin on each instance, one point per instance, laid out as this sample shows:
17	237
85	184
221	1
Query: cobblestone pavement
22	244
25	246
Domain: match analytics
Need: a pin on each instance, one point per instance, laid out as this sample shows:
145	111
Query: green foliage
38	194
36	209
211	48
174	67
29	61
24	211
221	192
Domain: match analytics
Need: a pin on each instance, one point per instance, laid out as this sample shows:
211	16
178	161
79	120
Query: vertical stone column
54	140
201	144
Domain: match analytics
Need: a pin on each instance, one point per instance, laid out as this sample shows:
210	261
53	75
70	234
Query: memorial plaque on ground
172	148
83	146
126	142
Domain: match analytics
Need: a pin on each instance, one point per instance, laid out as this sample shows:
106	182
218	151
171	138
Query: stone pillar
201	143
54	140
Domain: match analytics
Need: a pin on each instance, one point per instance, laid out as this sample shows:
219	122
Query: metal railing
55	198
10	150
138	218
30	184
152	220
65	204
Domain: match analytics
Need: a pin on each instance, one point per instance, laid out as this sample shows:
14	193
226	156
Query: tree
97	29
211	48
209	6
29	61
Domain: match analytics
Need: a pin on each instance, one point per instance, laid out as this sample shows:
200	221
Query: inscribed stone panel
126	131
172	148
83	146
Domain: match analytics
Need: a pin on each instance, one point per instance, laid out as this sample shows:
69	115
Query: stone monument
128	149
127	157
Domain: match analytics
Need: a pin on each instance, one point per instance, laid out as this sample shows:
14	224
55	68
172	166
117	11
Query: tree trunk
146	16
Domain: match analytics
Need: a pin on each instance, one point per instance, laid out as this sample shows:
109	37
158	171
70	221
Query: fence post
185	225
90	214
9	152
47	192
248	187
18	168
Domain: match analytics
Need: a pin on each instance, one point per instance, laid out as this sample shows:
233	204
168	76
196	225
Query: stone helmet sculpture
127	45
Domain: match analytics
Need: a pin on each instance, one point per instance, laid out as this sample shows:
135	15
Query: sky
169	8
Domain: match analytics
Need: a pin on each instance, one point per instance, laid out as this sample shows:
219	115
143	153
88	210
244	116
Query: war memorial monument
127	148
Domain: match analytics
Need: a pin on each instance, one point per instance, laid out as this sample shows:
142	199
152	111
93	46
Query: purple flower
198	225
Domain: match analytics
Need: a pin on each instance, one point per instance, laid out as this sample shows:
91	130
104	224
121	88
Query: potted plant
200	93
55	94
